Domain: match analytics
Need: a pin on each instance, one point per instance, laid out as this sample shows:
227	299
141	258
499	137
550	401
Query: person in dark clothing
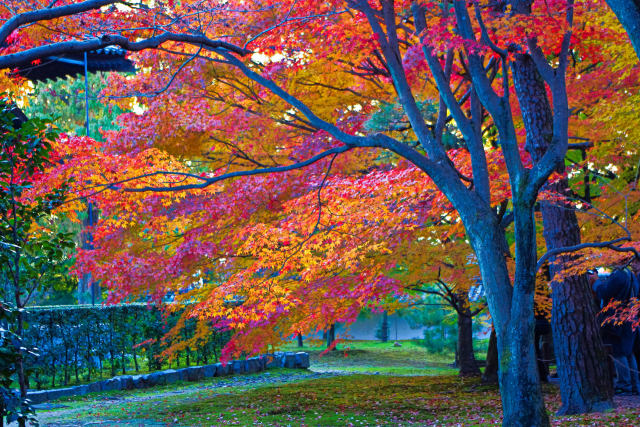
621	286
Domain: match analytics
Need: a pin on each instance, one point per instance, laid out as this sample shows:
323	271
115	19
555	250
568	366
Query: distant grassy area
375	356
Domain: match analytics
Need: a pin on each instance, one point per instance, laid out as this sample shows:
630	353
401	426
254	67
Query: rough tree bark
628	13
585	383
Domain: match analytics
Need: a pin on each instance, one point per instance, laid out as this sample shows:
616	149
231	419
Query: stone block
111	384
209	371
274	360
194	373
60	392
253	365
95	387
289	360
138	381
155	378
302	360
182	374
223	369
171	376
81	390
261	362
126	382
238	367
39	396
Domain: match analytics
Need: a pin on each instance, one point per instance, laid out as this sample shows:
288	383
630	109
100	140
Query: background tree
32	253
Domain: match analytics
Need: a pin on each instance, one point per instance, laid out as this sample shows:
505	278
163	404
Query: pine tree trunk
466	359
585	384
585	381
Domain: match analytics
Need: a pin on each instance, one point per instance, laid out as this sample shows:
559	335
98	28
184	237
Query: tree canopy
284	165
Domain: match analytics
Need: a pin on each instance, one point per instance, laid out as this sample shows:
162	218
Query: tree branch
610	244
50	13
61	48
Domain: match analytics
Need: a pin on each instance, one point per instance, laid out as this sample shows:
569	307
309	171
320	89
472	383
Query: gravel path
81	416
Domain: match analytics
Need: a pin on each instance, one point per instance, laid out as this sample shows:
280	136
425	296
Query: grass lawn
377	357
432	395
339	400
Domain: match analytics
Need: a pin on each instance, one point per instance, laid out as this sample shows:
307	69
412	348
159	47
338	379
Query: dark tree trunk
66	365
135	361
112	354
300	343
331	336
75	367
518	374
490	375
585	384
628	13
385	327
468	367
512	312
88	357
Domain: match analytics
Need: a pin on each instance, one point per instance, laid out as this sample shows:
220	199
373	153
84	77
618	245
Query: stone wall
194	373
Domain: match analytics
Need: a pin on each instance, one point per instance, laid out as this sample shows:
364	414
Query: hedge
79	342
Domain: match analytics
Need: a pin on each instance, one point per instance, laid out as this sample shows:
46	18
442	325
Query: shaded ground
339	395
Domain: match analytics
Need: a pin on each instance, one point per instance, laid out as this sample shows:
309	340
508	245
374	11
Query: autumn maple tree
288	153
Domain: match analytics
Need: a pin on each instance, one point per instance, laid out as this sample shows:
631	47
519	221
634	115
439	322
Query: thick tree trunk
520	389
628	13
518	375
585	381
468	367
512	312
490	375
300	342
585	384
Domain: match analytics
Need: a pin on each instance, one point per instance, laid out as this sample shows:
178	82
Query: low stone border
194	373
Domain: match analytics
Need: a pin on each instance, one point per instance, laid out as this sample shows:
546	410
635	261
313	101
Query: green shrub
78	344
